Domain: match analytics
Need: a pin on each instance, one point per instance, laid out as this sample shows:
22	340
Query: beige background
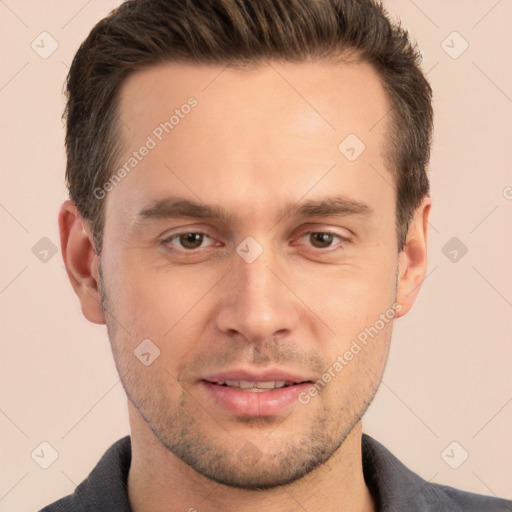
448	377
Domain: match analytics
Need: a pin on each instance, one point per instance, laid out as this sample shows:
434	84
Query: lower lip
254	403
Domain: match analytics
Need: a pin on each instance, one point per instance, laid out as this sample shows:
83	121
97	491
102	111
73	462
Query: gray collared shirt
394	487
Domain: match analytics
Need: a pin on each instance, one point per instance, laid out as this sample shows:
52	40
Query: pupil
322	239
191	240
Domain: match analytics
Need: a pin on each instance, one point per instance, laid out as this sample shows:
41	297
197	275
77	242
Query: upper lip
256	376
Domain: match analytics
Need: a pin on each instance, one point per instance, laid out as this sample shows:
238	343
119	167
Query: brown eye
321	240
191	240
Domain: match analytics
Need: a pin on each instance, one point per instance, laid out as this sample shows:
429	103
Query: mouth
256	386
250	394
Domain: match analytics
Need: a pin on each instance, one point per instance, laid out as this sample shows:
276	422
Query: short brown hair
140	33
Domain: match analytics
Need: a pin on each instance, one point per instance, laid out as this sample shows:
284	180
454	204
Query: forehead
314	93
234	133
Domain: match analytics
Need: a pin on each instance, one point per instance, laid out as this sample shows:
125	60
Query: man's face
262	146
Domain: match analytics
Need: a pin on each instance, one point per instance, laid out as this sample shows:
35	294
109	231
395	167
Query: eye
323	239
189	240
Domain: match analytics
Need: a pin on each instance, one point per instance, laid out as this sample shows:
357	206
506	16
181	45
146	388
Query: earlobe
412	266
81	261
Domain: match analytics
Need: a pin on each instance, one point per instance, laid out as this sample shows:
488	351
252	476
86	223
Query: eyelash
169	239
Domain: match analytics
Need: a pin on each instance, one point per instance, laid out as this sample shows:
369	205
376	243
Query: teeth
265	385
254	386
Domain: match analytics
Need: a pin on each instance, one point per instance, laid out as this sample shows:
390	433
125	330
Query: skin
258	139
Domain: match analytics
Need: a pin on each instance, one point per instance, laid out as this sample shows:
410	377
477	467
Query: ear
412	261
81	260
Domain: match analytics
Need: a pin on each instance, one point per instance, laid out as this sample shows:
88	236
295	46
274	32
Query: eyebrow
175	207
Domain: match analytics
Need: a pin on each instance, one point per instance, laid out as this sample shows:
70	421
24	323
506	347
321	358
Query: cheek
353	298
358	366
158	303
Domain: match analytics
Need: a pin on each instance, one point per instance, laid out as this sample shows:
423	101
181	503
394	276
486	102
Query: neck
161	482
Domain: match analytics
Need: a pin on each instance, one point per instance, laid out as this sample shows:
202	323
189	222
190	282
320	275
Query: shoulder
105	487
468	501
67	504
395	487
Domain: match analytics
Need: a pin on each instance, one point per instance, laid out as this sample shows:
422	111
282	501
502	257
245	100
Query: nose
257	303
